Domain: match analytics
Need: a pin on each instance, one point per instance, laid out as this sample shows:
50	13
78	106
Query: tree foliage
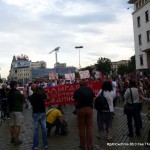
103	65
131	64
123	69
90	68
1	81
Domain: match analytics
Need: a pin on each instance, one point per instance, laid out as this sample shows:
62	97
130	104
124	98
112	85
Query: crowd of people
132	90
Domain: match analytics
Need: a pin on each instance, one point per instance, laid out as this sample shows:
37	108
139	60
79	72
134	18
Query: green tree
1	81
123	69
90	68
103	65
131	64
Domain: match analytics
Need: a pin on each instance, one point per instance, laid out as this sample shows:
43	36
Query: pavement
120	141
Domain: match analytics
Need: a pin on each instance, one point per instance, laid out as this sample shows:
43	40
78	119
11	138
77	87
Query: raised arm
145	98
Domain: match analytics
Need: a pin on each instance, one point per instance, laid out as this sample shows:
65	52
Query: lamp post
78	47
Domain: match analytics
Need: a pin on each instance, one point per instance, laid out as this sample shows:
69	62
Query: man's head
13	84
82	83
34	87
132	83
4	86
59	107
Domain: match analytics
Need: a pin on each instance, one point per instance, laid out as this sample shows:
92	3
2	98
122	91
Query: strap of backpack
102	93
107	102
131	95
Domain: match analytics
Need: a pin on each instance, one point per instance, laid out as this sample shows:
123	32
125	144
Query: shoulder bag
128	108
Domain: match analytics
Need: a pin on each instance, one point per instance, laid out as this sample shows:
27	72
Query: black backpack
101	103
64	128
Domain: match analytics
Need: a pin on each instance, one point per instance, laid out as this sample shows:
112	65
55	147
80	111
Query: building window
140	3
137	6
147	16
148	36
138	21
143	2
140	39
141	60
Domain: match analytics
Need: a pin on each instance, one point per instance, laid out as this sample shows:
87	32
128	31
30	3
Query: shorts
16	118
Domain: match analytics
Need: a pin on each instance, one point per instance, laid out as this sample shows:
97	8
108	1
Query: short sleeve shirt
53	115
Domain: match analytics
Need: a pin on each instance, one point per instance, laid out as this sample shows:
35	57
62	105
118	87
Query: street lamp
55	50
78	47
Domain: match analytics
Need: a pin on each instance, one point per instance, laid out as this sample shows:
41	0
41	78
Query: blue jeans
39	119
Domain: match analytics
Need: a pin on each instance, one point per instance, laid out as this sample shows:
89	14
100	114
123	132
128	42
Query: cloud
35	27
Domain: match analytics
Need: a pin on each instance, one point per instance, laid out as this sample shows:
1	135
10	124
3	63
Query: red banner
63	94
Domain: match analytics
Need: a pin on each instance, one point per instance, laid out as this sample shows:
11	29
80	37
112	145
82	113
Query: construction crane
55	50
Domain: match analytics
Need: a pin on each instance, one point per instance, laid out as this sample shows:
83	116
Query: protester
83	97
54	117
142	91
147	99
106	117
3	96
29	93
15	102
39	116
129	95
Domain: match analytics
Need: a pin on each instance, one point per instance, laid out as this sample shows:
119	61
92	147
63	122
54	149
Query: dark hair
82	84
107	86
59	107
132	83
13	84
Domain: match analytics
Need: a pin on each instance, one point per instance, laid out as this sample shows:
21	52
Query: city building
59	65
24	70
141	25
44	73
116	64
21	68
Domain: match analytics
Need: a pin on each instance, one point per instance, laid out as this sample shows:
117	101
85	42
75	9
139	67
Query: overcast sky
35	27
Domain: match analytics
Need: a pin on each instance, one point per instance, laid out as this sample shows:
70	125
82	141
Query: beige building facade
115	65
141	25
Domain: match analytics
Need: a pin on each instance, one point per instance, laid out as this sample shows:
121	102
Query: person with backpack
105	108
3	97
84	98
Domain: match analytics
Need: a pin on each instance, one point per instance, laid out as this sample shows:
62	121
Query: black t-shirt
3	93
84	97
37	102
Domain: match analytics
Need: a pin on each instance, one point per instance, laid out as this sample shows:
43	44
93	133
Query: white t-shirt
30	91
110	97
